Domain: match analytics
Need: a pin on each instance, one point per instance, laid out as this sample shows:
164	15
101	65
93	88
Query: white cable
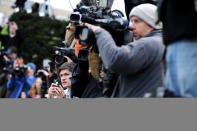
71	5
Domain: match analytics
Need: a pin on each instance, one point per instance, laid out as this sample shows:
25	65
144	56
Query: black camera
20	71
59	58
112	21
41	74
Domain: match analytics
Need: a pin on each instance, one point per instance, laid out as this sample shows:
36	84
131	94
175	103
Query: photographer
62	89
139	63
14	38
21	80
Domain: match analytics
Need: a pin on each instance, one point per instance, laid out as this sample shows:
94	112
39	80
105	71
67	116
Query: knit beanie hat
32	65
148	13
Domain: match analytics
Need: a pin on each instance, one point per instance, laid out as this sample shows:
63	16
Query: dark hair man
62	90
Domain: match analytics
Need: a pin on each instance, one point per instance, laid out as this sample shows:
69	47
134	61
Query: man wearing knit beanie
139	63
143	15
146	12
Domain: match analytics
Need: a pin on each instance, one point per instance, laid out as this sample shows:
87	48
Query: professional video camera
59	58
101	15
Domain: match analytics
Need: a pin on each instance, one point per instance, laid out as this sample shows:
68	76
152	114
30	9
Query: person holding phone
63	89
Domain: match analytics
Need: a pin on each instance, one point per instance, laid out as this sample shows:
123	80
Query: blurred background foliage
40	35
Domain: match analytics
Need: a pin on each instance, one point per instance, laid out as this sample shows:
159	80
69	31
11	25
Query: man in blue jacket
21	82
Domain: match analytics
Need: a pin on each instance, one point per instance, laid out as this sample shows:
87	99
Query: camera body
59	58
112	21
20	71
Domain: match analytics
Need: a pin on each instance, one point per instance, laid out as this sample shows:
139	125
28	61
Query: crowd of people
159	61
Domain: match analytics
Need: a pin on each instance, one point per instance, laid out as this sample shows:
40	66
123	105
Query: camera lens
75	17
59	59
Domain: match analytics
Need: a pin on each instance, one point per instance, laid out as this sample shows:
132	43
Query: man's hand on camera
68	59
44	72
93	27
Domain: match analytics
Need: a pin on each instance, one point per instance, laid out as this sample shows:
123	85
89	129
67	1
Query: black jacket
179	20
83	85
8	41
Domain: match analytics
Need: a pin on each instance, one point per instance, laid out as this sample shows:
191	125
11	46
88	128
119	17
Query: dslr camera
59	58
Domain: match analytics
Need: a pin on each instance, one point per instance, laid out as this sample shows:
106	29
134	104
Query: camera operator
21	80
139	63
62	89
